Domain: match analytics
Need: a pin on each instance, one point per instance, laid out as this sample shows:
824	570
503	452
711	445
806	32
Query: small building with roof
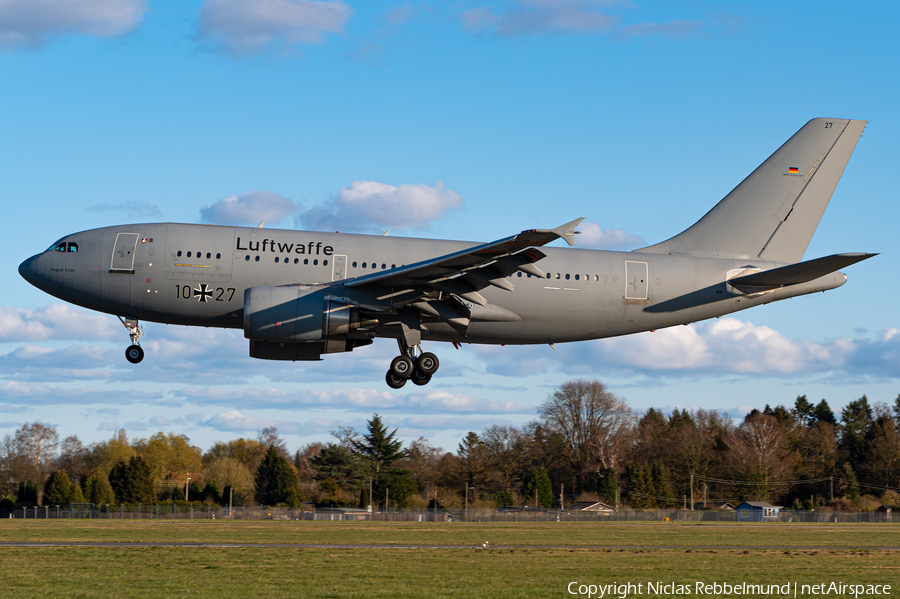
589	506
757	511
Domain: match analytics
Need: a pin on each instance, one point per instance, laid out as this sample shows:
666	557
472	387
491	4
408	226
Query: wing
446	287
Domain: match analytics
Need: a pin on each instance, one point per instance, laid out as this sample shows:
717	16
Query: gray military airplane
301	294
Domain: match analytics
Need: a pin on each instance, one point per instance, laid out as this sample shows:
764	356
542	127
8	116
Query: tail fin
774	212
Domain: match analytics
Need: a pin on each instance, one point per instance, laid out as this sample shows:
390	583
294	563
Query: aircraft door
339	271
123	253
636	281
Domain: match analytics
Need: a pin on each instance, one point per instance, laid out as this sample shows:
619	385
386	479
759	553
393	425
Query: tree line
585	444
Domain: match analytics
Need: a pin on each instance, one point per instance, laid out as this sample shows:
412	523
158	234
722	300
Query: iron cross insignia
203	294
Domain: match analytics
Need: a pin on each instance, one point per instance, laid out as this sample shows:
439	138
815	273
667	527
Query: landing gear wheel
134	354
420	378
401	368
427	363
394	382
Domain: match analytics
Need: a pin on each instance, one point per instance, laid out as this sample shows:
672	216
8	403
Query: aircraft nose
27	270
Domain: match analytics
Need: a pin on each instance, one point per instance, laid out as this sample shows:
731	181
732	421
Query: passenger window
276	259
306	261
72	247
548	275
316	262
178	254
257	258
364	264
567	276
324	262
596	277
577	277
384	267
188	254
218	256
296	260
208	255
247	258
393	266
354	265
519	274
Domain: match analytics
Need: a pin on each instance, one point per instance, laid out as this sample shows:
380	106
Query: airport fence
506	515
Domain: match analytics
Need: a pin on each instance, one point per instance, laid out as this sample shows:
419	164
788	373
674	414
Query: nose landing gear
412	364
134	353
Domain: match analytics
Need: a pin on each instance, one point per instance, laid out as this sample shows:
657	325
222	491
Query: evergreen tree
852	486
132	482
824	413
537	483
396	488
665	497
339	464
804	411
364	498
97	489
276	481
58	490
27	495
177	493
608	487
77	496
378	448
211	493
640	487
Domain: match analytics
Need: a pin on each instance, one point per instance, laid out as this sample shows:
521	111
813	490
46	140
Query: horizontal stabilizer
794	274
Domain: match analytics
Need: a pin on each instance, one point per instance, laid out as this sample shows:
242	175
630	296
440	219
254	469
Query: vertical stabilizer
774	212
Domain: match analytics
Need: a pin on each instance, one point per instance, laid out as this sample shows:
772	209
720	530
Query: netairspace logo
724	589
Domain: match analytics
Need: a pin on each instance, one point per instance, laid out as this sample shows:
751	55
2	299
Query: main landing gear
412	365
133	353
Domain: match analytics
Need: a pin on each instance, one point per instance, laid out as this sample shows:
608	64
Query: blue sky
463	119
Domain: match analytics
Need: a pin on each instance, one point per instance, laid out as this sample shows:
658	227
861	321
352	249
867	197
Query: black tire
134	353
394	382
428	363
420	378
401	367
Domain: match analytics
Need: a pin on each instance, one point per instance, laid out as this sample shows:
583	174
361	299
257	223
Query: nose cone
27	271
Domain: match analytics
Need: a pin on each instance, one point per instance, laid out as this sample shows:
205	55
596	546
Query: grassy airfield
598	554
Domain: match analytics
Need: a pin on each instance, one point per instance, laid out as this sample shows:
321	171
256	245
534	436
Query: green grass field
857	554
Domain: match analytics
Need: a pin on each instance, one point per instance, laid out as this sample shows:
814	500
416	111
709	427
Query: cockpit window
72	247
61	247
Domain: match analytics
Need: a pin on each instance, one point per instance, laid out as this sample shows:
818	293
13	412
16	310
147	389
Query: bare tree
269	437
36	445
505	448
71	458
593	422
758	451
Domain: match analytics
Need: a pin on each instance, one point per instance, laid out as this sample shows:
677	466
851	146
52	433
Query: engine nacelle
297	314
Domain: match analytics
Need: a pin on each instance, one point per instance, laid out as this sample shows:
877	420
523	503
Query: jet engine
299	323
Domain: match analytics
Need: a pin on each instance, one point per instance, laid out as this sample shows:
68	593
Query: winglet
568	232
542	236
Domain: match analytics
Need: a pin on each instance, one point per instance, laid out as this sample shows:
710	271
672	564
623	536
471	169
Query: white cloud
726	345
249	209
539	17
372	206
260	26
444	401
33	23
592	236
56	321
